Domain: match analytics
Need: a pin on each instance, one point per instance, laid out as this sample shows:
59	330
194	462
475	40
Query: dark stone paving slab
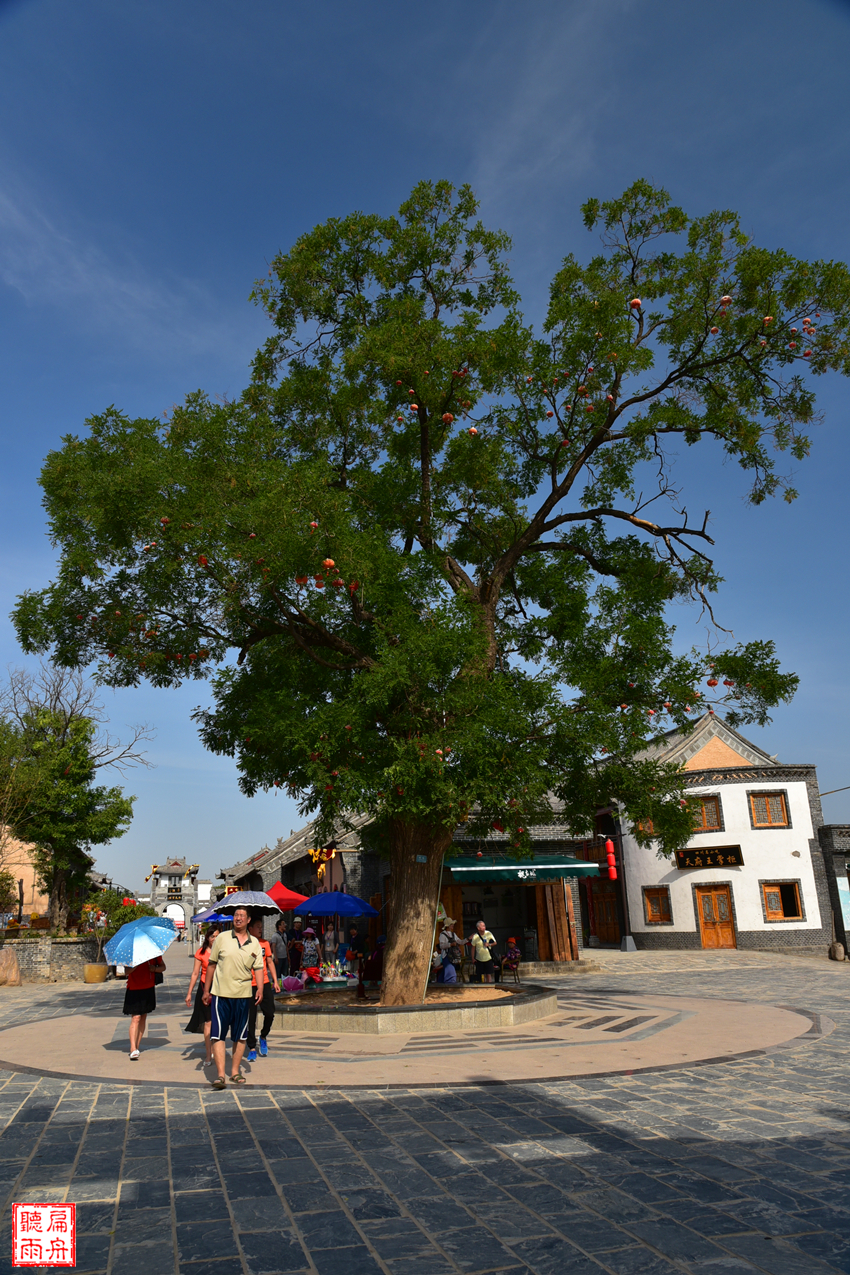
741	1166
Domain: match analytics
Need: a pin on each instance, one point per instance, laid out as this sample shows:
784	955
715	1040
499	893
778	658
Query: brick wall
48	960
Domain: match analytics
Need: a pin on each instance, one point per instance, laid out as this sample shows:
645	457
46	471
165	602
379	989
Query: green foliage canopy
418	527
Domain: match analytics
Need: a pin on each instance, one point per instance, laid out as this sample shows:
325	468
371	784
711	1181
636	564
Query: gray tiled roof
295	846
680	745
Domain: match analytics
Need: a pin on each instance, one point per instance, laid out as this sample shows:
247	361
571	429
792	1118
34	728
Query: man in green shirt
234	957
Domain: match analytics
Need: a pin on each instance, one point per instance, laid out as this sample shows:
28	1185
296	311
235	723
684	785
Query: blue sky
153	158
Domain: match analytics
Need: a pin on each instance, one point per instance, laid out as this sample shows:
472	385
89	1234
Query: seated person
512	957
356	949
448	973
311	957
373	966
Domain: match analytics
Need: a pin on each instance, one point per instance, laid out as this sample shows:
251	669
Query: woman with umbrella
140	999
140	944
202	1014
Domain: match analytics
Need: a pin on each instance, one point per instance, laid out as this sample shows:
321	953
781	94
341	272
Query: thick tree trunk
415	894
59	906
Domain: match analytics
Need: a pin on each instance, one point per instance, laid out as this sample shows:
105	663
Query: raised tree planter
43	959
521	1005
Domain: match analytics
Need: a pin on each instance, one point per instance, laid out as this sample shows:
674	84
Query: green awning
468	869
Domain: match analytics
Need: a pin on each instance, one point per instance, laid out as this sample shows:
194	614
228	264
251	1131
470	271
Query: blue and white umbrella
141	940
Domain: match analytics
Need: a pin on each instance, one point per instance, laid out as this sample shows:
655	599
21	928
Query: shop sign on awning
467	869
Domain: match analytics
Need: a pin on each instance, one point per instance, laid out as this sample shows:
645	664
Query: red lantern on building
609	855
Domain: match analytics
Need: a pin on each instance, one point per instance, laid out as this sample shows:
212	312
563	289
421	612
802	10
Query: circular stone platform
591	1033
462	1008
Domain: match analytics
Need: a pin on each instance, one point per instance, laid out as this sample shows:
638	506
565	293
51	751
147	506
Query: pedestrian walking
228	991
482	943
202	1014
271	985
140	999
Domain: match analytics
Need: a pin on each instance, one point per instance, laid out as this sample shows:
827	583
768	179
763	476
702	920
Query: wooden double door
716	923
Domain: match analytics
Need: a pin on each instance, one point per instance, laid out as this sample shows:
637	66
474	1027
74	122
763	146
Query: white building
752	876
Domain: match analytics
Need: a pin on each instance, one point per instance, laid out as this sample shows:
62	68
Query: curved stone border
523	1005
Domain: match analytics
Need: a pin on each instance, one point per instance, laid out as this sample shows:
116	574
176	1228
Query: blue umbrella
335	902
209	913
141	940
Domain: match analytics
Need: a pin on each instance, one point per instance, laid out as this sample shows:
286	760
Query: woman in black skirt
140	999
201	1014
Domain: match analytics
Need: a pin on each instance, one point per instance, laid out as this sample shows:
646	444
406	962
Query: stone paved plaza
735	1166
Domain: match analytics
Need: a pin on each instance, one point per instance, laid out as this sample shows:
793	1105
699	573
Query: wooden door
714	904
607	920
553	933
602	899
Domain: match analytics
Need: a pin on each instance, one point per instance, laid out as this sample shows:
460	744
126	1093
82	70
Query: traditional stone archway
177	913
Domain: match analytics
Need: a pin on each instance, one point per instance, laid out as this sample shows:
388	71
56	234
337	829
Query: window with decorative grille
782	901
708	815
769	809
656	903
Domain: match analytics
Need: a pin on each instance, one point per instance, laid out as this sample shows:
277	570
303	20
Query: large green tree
417	530
52	746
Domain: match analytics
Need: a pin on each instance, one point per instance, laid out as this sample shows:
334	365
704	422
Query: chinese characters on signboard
716	857
44	1235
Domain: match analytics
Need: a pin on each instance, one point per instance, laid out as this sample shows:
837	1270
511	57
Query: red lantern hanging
609	855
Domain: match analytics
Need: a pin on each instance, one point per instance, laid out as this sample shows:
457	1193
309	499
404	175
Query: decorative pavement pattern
732	1167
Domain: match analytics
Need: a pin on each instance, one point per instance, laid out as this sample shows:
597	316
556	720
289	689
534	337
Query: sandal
219	1083
238	1079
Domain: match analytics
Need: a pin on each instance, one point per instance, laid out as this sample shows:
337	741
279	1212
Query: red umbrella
285	899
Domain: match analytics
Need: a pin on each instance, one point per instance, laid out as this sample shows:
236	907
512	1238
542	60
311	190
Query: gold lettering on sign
724	856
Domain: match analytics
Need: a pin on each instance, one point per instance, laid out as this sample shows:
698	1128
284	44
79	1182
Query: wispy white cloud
541	99
55	266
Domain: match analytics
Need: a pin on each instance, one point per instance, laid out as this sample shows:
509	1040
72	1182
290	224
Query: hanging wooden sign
713	857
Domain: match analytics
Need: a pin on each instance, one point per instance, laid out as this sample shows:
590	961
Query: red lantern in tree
635	304
712	681
202	561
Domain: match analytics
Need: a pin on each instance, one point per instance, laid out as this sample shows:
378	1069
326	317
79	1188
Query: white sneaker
134	1055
